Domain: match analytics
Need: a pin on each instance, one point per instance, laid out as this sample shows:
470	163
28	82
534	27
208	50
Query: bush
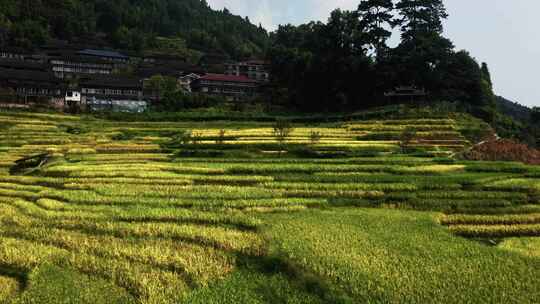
125	135
282	130
314	137
221	138
476	135
200	153
406	138
183	137
503	150
76	130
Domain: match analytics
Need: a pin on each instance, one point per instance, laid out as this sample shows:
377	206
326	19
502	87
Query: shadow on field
18	274
297	278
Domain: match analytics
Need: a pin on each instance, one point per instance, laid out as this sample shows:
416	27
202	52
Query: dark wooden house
406	94
69	66
253	69
31	84
228	86
112	88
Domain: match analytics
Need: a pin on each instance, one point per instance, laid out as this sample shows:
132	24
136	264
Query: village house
175	70
14	64
408	94
184	73
68	64
253	69
31	85
112	93
67	67
112	87
161	59
186	80
229	86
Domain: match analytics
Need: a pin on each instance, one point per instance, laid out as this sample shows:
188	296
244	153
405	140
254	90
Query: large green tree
419	17
376	22
423	48
324	66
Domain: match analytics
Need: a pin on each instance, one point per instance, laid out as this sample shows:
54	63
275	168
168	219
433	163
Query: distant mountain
513	109
134	25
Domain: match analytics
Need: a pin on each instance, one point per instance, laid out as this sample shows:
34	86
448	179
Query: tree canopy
345	63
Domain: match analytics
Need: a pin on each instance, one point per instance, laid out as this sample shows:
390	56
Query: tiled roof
82	59
103	81
173	69
103	53
23	65
228	78
15	50
28	76
255	62
165	57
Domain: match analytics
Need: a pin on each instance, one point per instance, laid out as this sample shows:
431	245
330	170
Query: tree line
347	63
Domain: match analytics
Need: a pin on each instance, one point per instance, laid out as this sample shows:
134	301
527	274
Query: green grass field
128	212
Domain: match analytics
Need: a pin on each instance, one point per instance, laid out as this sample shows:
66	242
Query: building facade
115	88
258	70
185	81
14	53
67	67
229	86
120	94
31	84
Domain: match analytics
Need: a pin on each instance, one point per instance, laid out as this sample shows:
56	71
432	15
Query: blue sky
504	33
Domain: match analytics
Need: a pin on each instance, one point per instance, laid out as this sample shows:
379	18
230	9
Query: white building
73	97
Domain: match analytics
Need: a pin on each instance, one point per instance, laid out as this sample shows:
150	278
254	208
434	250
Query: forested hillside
130	24
513	109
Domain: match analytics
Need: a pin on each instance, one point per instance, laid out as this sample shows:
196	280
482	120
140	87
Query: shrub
200	153
196	138
75	129
282	130
304	152
503	150
406	138
314	137
125	135
476	135
183	137
221	137
6	125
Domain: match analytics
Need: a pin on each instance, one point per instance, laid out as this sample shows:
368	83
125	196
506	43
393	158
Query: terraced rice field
123	212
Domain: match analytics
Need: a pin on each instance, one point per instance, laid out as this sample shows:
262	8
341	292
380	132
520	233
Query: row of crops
160	217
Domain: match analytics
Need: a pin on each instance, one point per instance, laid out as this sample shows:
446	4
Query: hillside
130	24
206	210
513	109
